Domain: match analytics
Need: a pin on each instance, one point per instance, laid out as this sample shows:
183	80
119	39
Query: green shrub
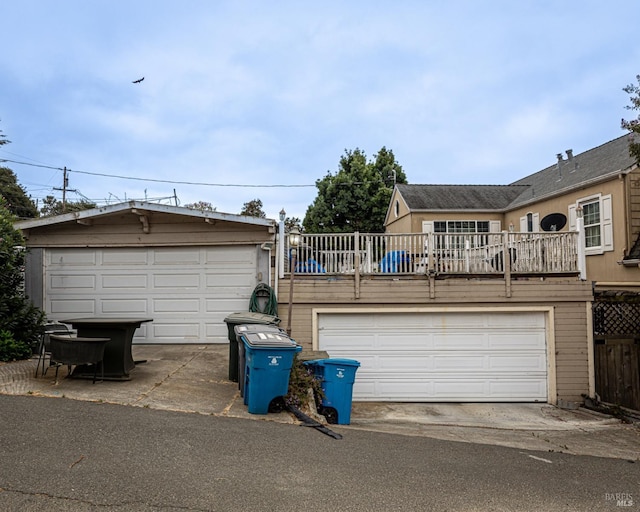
12	350
18	316
301	380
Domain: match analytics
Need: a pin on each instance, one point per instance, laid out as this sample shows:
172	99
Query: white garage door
440	357
187	291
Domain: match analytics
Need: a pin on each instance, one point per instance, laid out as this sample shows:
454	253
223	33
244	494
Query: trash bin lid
249	317
243	328
268	339
333	362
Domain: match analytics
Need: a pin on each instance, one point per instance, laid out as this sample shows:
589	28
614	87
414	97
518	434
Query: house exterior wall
633	193
399	219
569	298
603	267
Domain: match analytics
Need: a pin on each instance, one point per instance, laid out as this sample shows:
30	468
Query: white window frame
606	221
535	222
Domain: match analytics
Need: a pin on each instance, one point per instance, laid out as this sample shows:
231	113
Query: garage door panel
451	340
66	258
225	306
518	340
125	281
176	257
524	389
532	362
411	340
64	282
187	291
133	307
177	329
455	357
119	257
177	281
72	307
354	341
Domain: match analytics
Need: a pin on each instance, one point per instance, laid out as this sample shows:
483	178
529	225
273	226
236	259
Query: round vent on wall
553	222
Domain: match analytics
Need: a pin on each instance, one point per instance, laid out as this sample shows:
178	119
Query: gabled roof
570	171
459	197
597	164
140	208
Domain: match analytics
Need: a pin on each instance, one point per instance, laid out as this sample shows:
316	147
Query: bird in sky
138	80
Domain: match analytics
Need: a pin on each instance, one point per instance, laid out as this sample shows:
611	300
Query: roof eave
85	215
578	186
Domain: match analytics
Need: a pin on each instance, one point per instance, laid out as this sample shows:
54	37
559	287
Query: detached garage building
184	268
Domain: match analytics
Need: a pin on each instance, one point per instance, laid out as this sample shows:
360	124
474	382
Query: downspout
279	256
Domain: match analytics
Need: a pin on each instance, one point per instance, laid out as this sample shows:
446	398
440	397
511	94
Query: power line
187	182
32	165
172	182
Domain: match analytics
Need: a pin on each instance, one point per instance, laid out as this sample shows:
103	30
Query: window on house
462	226
591	218
530	222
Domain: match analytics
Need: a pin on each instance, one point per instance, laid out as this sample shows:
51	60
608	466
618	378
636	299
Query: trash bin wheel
277	404
331	414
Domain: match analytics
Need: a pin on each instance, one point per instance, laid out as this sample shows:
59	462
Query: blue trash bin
243	329
337	377
232	321
268	361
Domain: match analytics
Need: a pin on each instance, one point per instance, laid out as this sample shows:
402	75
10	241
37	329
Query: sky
246	100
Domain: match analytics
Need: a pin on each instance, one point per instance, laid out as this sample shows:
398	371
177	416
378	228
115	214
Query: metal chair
44	345
79	350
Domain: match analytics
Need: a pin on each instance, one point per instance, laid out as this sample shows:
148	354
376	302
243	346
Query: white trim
141	206
606	222
549	311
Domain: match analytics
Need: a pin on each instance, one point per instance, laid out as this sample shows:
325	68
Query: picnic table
118	359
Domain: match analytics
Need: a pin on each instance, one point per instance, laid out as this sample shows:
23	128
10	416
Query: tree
20	321
355	198
3	139
202	206
18	202
253	209
51	206
291	222
634	124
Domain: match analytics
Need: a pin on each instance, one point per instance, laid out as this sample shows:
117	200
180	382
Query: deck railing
436	253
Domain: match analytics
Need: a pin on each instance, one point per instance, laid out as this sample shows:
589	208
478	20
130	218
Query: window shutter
607	223
494	226
523	224
573	226
427	226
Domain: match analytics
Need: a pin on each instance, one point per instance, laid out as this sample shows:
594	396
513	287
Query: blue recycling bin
268	361
244	329
337	377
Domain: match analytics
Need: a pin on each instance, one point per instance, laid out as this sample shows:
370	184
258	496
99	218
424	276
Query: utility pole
65	184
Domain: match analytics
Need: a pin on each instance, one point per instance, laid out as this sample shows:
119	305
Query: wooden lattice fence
616	330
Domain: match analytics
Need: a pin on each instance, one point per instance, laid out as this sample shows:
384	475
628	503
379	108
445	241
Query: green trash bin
238	319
